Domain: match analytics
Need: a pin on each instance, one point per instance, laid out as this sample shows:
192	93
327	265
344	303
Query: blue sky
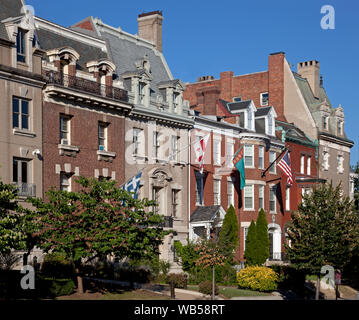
208	37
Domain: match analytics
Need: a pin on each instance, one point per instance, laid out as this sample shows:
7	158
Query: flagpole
264	172
120	187
187	146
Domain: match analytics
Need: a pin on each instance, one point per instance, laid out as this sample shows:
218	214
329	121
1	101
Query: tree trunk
80	288
213	283
317	290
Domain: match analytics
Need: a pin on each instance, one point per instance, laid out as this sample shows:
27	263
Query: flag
284	165
238	161
133	184
199	149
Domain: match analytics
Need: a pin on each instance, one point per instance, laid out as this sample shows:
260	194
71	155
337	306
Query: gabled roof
293	133
236	106
8	9
262	111
206	213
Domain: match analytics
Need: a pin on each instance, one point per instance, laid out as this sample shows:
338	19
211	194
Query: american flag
284	165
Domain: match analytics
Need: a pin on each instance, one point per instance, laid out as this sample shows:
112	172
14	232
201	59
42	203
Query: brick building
83	109
298	97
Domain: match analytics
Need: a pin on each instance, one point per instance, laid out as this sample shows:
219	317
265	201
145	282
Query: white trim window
21	46
261	197
302	159
309	165
102	136
272	157
325	122
339	127
340	164
230	193
65	182
248	156
287	198
175	202
174	148
141	92
136	141
325	160
249	197
155	144
65	130
20	113
272	199
217	152
216	192
260	157
229	154
264	99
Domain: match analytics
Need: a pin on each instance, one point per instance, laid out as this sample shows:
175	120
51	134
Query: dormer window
141	93
264	99
175	100
237	99
325	122
339	127
20	46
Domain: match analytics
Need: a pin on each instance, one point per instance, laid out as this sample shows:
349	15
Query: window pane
15	113
24	122
15	120
24	172
25	107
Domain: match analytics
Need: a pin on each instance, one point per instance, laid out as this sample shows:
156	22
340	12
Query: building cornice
335	139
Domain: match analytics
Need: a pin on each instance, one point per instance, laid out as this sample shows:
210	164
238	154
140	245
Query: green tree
262	250
11	232
100	219
356	187
250	252
228	236
324	231
187	255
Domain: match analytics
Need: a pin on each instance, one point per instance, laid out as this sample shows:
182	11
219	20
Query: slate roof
125	53
262	111
205	213
51	40
235	106
8	8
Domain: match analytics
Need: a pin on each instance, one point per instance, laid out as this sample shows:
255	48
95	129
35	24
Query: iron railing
85	85
25	189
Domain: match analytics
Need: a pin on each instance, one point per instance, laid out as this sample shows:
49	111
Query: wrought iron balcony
25	189
85	85
168	223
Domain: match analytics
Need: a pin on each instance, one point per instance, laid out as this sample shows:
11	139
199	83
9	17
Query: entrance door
270	246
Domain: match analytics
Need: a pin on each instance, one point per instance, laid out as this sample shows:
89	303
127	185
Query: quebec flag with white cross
133	184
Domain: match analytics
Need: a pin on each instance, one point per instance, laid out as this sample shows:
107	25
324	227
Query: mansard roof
9	9
49	39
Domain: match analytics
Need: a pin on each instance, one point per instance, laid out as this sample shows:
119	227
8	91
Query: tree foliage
228	236
210	254
188	255
250	252
324	230
11	227
262	250
98	220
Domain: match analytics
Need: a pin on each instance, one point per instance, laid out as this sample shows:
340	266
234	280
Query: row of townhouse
92	100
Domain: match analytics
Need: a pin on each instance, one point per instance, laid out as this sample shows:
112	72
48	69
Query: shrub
290	278
56	265
205	287
180	279
257	278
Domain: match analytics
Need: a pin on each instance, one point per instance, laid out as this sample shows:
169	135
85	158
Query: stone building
157	129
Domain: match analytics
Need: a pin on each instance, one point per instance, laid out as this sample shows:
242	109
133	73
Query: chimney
150	27
310	71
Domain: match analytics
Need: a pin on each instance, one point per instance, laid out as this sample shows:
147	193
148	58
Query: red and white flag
284	165
199	149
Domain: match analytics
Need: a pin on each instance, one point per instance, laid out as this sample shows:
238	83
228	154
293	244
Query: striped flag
133	184
284	165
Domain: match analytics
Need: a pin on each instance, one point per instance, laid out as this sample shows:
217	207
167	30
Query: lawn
230	292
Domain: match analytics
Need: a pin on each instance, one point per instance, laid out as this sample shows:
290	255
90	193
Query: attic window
339	127
237	99
264	99
325	122
20	46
